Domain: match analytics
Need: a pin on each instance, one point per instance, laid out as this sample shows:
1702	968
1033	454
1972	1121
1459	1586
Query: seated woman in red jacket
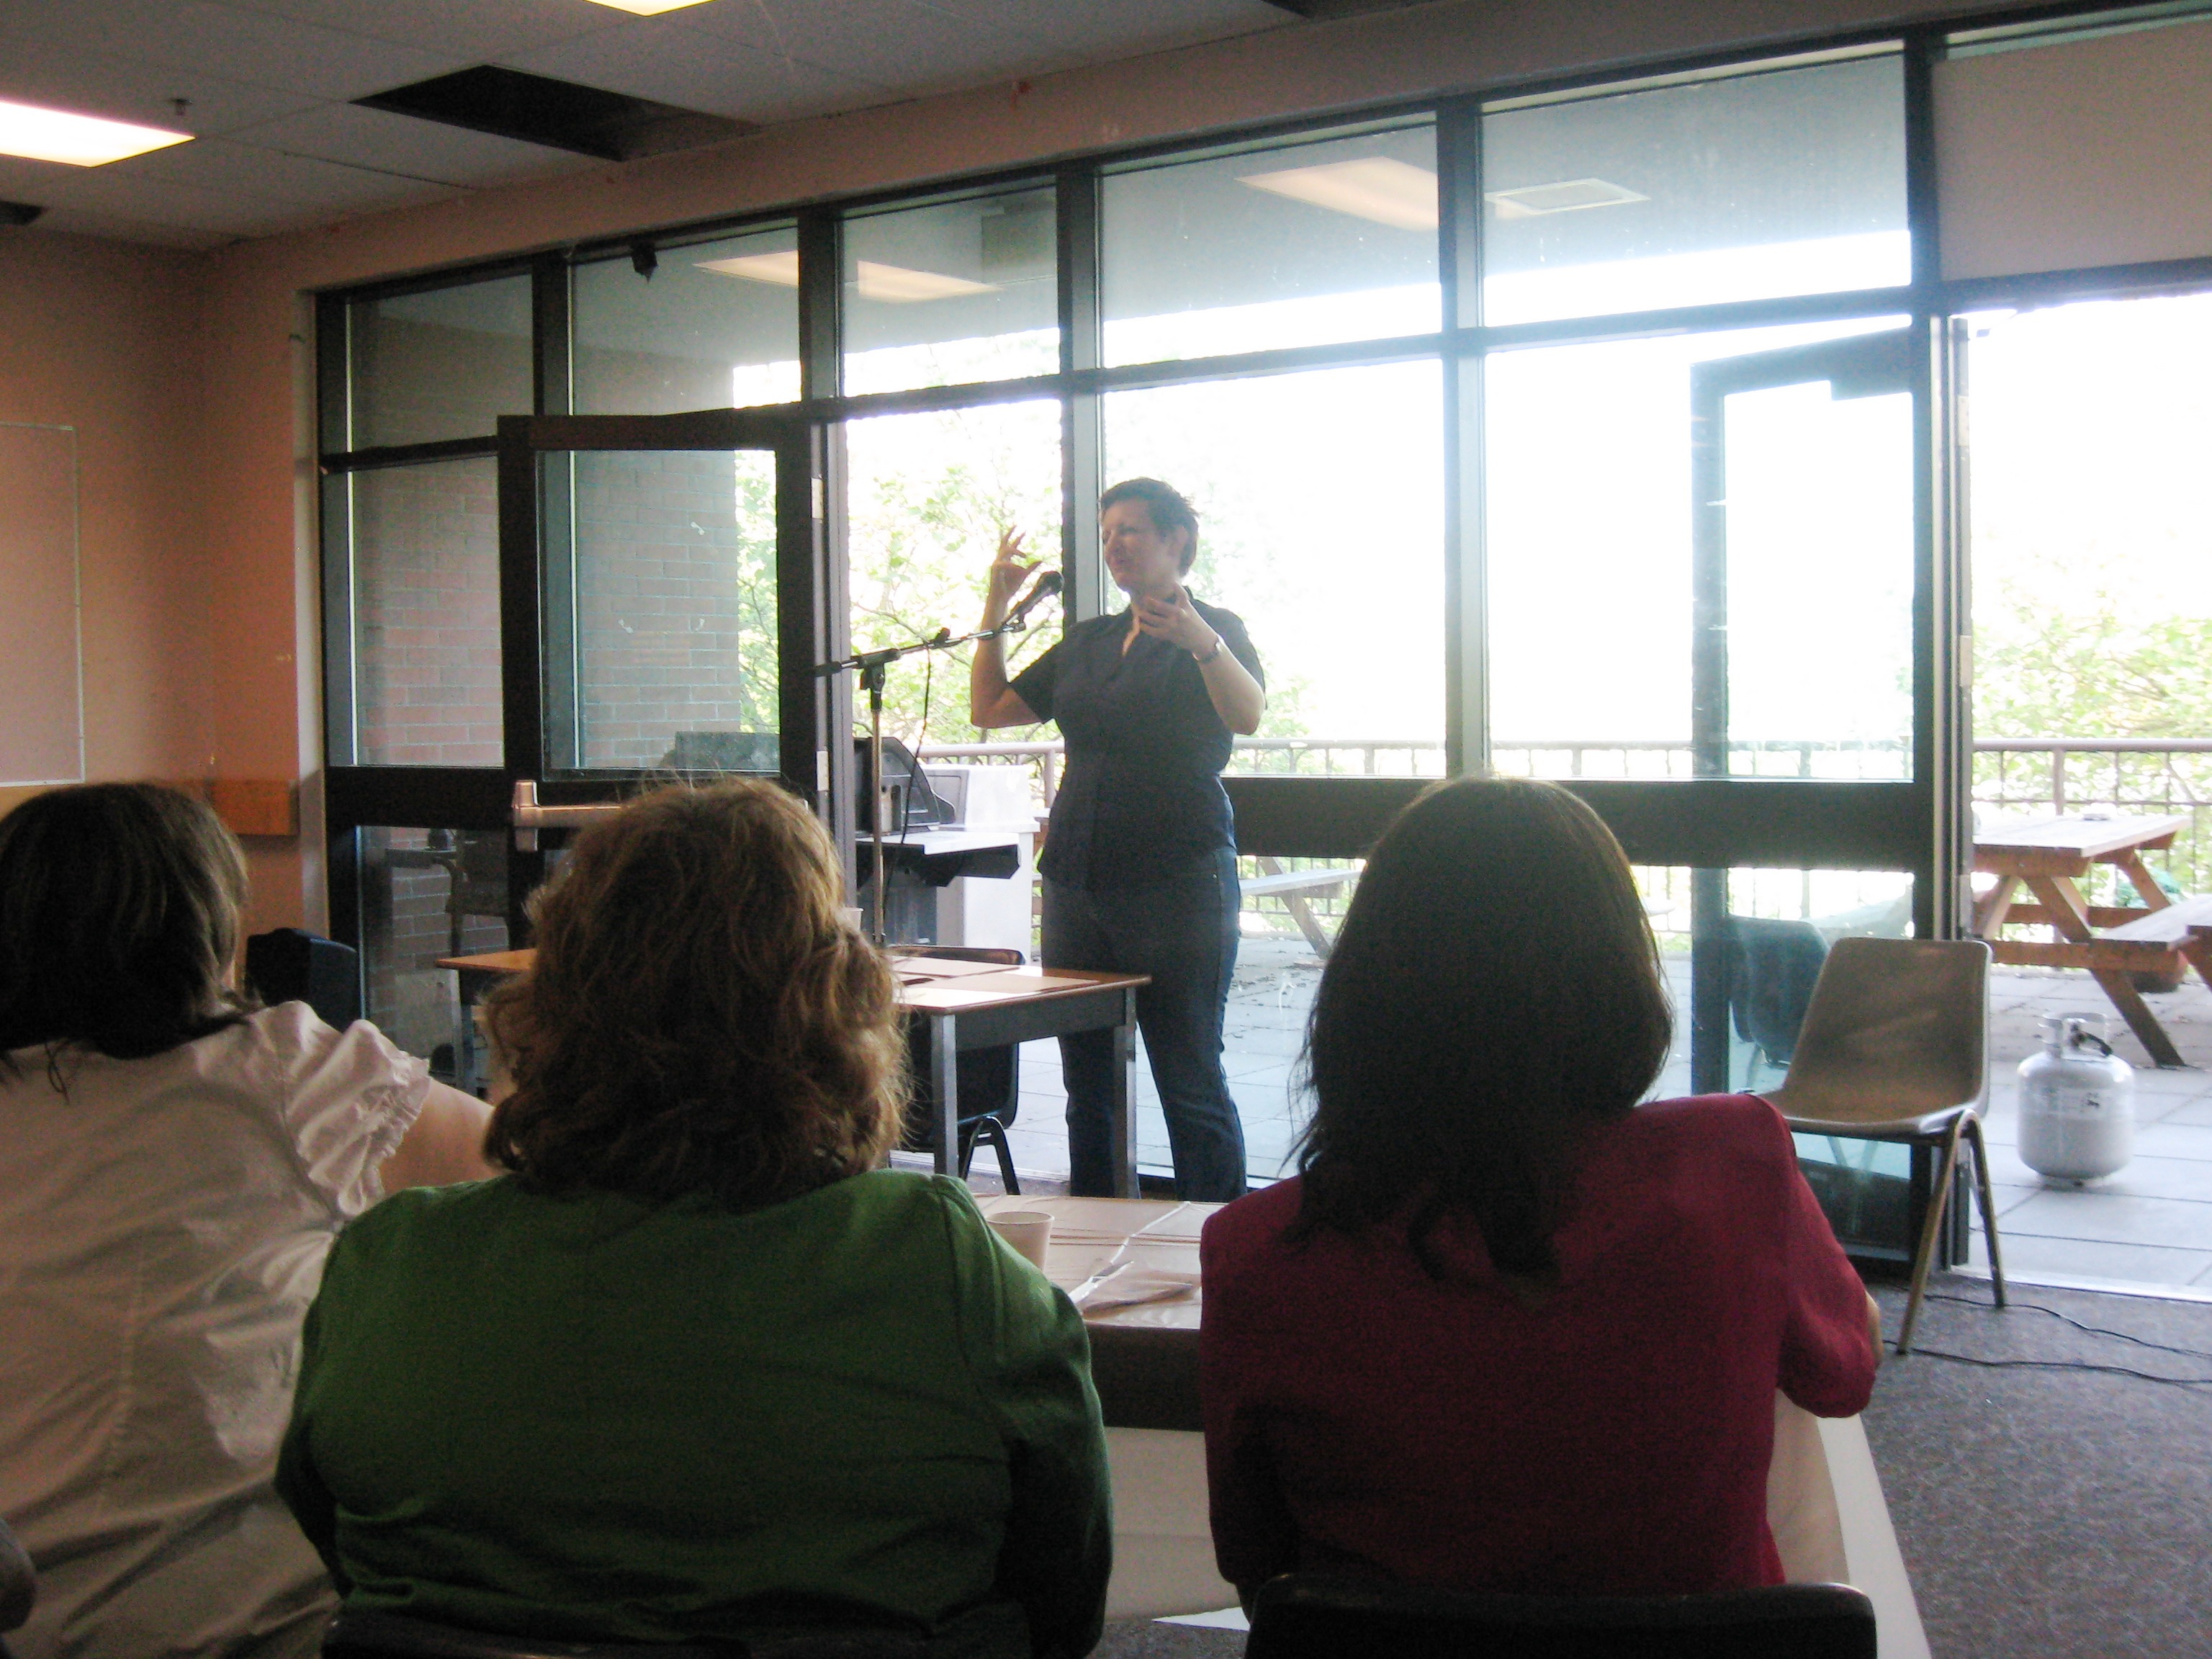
1507	1330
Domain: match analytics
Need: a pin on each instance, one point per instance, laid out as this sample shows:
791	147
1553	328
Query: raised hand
1009	570
1174	620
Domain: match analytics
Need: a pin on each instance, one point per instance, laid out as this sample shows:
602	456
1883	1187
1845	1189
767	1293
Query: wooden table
2113	943
967	1006
1824	1500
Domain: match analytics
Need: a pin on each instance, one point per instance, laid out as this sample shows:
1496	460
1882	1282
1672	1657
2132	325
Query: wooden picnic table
2161	936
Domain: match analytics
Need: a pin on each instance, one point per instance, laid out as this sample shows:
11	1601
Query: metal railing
2013	776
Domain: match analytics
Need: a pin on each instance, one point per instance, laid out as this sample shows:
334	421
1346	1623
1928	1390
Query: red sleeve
1254	1536
1827	1363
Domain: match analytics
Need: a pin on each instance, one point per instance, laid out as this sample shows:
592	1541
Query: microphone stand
873	666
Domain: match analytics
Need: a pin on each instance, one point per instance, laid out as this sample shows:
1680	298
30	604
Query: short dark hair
1495	990
119	910
700	1017
1166	506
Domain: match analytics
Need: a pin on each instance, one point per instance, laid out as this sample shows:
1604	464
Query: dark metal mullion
1710	936
1467	584
821	300
553	389
522	680
341	839
381	456
1077	194
1941	759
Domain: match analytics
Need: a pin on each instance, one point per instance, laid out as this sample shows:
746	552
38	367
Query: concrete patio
2149	1228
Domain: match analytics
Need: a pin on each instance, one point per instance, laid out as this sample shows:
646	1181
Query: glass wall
446	363
1330	238
1737	187
705	325
426	615
1595	530
1320	499
928	497
952	292
427	894
675	659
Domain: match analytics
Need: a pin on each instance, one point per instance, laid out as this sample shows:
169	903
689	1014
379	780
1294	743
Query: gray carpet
2043	1513
2050	1512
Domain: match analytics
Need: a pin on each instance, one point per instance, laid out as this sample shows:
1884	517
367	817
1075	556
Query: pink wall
258	475
105	338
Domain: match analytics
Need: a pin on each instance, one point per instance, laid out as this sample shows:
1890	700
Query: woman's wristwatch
1209	656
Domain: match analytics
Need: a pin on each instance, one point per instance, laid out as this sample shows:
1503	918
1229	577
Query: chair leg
996	1132
1987	1198
1930	1232
967	1133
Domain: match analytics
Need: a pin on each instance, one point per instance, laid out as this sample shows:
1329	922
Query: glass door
1802	563
649	579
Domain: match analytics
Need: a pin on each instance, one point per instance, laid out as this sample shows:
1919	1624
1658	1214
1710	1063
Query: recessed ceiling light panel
892	285
78	141
1377	188
1568	195
648	8
781	269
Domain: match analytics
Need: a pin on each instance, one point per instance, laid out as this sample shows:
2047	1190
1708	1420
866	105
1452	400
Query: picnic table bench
1291	886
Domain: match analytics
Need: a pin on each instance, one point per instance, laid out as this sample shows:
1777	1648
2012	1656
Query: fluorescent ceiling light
1568	195
648	8
1375	187
894	284
78	141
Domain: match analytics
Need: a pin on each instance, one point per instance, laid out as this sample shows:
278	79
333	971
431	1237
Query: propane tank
2077	1101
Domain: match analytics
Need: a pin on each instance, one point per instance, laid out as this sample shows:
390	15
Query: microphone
1046	585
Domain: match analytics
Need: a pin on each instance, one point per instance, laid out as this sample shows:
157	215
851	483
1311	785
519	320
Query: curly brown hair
701	1018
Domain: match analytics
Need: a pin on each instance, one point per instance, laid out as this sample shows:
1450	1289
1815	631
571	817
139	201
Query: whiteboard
41	652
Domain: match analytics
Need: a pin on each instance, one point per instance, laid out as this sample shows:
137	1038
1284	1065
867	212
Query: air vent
559	114
1568	195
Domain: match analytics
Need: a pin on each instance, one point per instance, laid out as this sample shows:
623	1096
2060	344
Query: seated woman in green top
697	1368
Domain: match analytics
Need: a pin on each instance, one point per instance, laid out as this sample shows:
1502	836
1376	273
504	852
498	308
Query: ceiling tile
254	47
161	201
84	221
664	60
40	71
476	31
1099	32
401	144
290	181
895	44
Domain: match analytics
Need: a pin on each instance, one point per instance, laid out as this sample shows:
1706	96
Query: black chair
389	1635
1772	967
990	1079
1318	1616
288	965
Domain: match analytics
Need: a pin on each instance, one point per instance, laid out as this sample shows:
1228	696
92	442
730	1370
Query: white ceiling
278	144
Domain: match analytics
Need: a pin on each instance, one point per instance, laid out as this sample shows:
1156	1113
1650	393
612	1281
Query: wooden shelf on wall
256	806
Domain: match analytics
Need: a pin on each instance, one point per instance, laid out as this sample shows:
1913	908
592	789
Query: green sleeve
1027	1349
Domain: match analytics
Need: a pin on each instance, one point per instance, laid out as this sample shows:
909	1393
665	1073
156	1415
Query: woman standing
1507	1330
1139	862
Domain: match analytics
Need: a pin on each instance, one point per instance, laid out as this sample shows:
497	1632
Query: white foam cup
1028	1230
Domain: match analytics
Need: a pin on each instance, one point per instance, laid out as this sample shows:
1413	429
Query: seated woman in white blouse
173	1165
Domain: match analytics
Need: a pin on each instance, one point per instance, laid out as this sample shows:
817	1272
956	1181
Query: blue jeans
1183	933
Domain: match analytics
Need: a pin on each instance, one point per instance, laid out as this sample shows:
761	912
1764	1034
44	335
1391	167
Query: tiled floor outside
2149	1226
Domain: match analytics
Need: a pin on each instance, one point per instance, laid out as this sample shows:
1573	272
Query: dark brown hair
118	919
1167	507
701	1019
1494	992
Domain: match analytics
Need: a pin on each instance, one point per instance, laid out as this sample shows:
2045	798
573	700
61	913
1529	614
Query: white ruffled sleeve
350	1097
